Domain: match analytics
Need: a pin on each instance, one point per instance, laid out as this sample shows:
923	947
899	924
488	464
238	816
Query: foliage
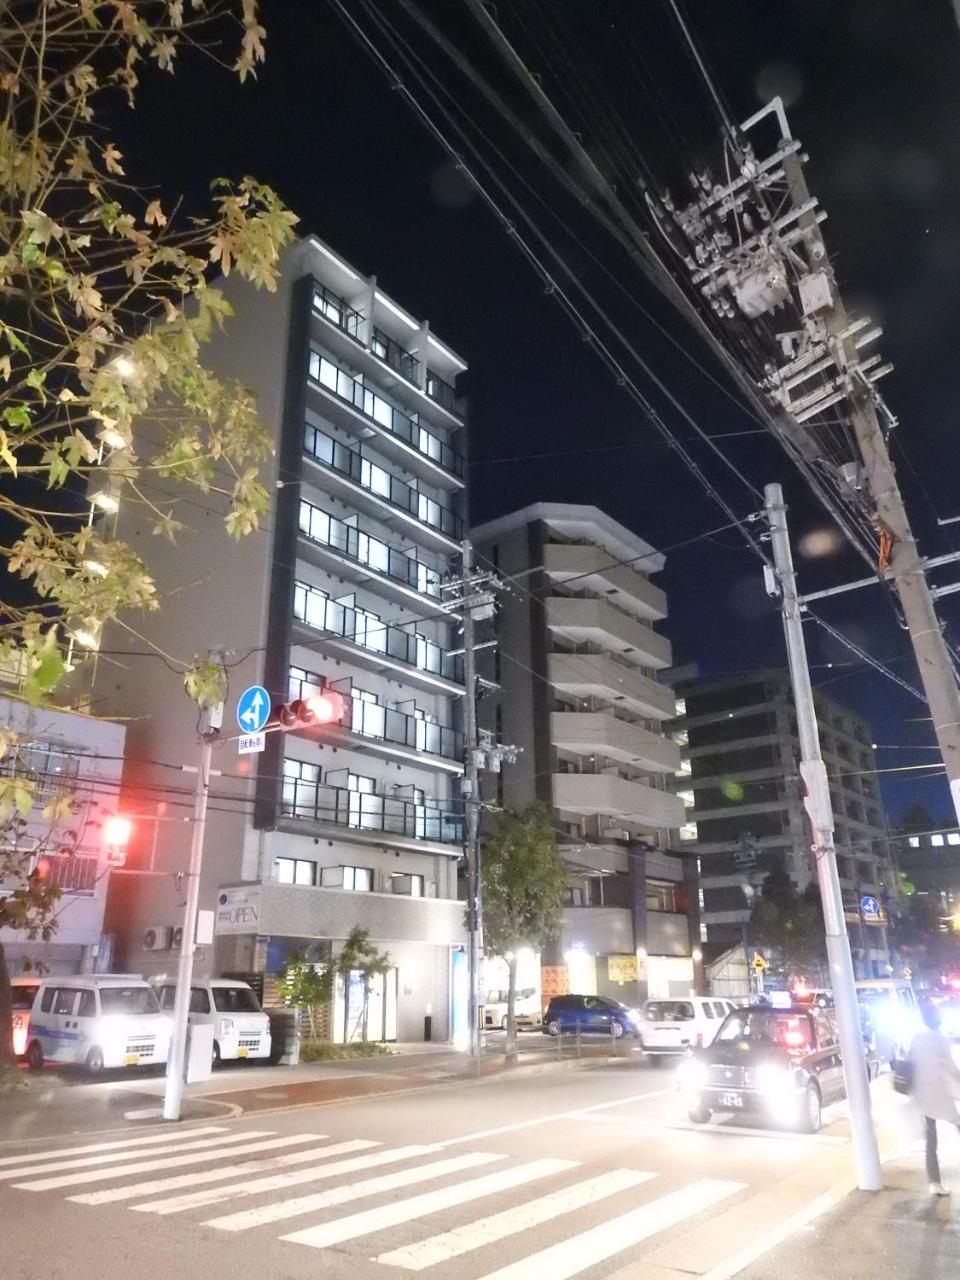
322	1051
922	941
789	923
524	879
358	955
308	982
105	306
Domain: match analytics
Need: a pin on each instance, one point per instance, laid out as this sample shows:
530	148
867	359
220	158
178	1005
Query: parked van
240	1027
97	1021
23	992
527	1008
672	1026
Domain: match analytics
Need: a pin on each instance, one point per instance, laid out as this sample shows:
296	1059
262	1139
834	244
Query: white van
97	1021
527	1008
674	1025
23	992
240	1027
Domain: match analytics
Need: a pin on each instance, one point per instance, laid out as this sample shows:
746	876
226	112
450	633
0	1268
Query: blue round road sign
253	709
869	907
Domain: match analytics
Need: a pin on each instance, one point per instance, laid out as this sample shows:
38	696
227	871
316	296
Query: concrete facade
576	668
339	589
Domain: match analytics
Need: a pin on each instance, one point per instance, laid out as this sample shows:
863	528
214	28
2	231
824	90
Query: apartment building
741	786
575	676
61	753
359	823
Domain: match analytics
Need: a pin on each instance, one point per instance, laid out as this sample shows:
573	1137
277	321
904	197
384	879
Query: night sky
871	87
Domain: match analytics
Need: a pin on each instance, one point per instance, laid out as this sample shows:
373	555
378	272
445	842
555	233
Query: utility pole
211	720
471	800
820	810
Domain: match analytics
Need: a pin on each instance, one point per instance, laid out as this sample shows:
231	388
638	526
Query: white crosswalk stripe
522	1217
391	1215
161	1135
112	1194
168	1162
45	1165
352	1191
578	1253
281	1181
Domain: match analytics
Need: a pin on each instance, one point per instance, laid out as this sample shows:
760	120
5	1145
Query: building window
953	837
295	871
914	842
359	879
688	831
937	840
661	896
416	886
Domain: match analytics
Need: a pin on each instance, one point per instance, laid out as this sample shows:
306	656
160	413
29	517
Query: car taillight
19	1035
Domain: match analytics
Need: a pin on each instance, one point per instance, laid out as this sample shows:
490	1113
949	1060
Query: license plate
131	1060
734	1100
243	1053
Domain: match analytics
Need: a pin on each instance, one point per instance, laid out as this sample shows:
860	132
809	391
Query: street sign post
869	907
253	712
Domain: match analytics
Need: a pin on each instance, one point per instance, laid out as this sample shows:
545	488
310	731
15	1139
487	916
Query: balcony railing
74	874
377	480
353	392
441	392
338	312
386	724
397	357
364	811
319	526
318	611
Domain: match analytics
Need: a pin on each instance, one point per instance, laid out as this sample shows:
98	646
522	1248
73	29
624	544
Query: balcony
370	488
308	911
606	795
398	358
347	551
357	408
597	733
582	620
333	308
381	731
594	675
362	816
595	570
368	641
442	393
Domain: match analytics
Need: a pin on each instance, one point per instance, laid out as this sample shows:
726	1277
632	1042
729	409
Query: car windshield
669	1011
759	1026
235	1000
128	1000
22	997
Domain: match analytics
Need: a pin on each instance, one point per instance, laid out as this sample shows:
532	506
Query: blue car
592	1015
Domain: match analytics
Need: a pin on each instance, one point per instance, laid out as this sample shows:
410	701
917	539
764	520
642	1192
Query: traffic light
117	830
326	707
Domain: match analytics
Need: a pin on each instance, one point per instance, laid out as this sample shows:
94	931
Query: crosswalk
548	1215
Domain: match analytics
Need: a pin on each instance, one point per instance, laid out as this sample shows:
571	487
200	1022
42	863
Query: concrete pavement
593	1173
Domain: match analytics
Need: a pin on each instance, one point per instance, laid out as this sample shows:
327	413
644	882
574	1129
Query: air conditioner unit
176	938
156	937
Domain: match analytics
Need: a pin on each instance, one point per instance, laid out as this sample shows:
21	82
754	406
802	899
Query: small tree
358	955
790	923
524	879
307	984
309	981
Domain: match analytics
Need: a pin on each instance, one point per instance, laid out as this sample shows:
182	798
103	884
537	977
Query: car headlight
692	1074
634	1015
774	1079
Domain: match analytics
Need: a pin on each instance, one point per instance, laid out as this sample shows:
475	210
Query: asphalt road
539	1176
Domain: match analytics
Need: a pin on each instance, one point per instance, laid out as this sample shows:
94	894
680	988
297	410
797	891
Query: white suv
674	1025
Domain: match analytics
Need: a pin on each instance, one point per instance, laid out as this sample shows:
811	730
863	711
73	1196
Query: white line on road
581	1252
352	1191
155	1185
402	1211
170	1162
161	1135
734	1130
522	1217
557	1115
45	1164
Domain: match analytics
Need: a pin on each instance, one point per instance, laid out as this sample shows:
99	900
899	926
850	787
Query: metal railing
333	308
321	527
318	611
350	463
73	874
353	392
387	724
365	811
442	392
399	358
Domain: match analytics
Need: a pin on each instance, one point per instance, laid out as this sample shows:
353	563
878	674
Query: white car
97	1021
23	992
527	1008
672	1026
240	1027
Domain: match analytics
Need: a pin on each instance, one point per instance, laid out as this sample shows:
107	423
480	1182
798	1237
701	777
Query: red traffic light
326	707
117	830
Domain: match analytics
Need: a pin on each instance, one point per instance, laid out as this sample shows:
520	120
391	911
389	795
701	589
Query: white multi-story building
353	824
577	662
63	753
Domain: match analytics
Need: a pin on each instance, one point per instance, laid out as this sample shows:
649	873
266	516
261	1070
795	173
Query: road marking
112	1194
161	1135
451	1244
402	1211
581	1252
734	1130
45	1165
558	1115
316	1173
352	1191
169	1162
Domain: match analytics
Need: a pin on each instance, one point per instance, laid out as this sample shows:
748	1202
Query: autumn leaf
112	158
155	215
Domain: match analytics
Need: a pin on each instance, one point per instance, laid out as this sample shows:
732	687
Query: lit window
686	797
953	837
937	840
914	842
296	871
688	831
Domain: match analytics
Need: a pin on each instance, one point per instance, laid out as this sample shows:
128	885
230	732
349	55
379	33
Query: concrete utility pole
211	720
820	810
471	800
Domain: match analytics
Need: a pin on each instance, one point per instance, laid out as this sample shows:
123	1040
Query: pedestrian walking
935	1087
